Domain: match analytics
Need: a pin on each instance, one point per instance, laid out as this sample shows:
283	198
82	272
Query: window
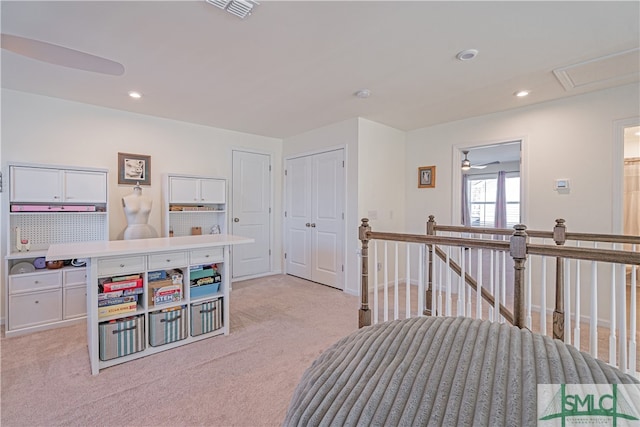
482	191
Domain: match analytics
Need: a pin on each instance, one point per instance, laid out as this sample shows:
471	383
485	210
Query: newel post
518	251
559	236
431	231
364	314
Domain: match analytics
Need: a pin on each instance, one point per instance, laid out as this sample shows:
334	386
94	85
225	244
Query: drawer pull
121	265
36	281
37	301
209	310
207	256
168	260
178	317
124	330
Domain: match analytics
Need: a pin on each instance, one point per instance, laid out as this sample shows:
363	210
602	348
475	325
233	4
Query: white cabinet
55	185
50	204
127	290
193	204
191	190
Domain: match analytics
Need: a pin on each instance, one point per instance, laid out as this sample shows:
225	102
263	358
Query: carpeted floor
279	325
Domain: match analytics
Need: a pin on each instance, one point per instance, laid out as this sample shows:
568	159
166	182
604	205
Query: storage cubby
194	205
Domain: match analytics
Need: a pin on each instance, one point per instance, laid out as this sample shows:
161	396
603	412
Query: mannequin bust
137	209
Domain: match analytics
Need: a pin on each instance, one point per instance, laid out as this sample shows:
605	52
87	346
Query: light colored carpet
279	325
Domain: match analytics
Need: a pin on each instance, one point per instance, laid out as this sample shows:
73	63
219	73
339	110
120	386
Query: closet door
315	218
298	219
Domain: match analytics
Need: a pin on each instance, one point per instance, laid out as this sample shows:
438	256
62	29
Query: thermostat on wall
562	184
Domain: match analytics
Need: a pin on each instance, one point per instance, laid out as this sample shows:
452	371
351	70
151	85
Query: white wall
38	129
570	138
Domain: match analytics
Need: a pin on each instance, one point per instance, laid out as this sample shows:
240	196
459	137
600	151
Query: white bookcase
143	326
193	201
49	204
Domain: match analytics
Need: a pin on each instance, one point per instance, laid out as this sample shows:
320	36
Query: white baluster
376	307
395	288
479	290
385	280
421	270
407	308
593	318
461	285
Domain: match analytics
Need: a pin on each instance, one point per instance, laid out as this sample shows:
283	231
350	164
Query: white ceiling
293	66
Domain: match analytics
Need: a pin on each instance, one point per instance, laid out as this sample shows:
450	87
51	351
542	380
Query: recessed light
521	93
363	93
467	55
135	95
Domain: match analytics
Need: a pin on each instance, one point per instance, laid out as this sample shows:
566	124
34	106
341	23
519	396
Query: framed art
134	168
426	177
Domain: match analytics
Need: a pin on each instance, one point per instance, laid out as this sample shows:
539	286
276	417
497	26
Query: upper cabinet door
50	185
85	187
212	191
39	185
183	190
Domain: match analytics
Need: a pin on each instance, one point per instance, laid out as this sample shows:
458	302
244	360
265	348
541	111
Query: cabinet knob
168	260
206	256
36	282
37	301
313	224
236	219
308	224
121	265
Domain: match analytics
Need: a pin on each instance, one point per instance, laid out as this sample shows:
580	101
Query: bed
451	371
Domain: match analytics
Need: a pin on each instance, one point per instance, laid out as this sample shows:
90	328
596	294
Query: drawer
120	265
207	255
75	276
168	260
74	301
34	308
29	282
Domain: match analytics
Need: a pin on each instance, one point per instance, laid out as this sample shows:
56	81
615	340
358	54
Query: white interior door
315	217
251	195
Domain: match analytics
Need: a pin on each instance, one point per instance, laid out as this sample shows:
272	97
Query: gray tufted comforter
450	371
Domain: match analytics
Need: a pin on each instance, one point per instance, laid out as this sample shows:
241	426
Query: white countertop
63	251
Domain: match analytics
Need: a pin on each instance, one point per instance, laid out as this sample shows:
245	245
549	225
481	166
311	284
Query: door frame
343	276
456	175
618	171
271	218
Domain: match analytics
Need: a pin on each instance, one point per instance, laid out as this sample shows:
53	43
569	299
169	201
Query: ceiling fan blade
482	166
60	55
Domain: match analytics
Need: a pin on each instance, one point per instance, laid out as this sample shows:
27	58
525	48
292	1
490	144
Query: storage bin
166	326
206	316
204	290
121	337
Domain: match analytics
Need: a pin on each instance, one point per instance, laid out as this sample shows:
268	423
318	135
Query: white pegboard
43	229
181	222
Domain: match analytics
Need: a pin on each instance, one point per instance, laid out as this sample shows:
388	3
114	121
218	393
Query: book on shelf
123	293
112	310
167	294
117	300
121	285
123	278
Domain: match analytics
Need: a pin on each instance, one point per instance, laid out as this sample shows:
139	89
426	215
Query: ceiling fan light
466	165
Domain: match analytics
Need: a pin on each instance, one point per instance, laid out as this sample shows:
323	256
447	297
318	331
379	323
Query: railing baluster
543	297
385	280
376	305
440	287
576	330
624	365
396	303
633	318
495	308
567	300
421	269
448	296
612	328
528	295
407	309
468	288
593	318
461	285
479	290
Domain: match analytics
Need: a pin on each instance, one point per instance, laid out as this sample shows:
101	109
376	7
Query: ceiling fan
60	55
466	164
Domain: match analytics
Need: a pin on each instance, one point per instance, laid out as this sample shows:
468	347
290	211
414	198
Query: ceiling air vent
239	8
605	71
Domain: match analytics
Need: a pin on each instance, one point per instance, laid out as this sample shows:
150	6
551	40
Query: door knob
307	225
313	224
236	219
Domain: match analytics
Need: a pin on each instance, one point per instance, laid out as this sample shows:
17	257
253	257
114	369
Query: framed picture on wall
134	169
426	177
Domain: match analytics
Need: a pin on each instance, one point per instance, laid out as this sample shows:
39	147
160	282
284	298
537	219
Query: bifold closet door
315	217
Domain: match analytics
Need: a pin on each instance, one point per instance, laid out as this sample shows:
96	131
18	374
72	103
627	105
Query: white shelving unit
50	204
193	201
141	259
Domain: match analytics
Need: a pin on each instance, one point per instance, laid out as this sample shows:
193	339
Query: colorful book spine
112	310
118	286
117	300
116	294
123	278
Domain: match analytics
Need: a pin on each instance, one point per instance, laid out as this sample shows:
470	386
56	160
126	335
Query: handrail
518	247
